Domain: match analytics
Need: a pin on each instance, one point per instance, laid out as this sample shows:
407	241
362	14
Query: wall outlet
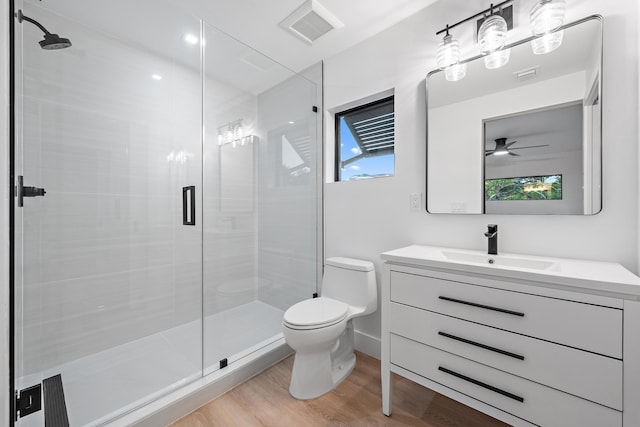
415	200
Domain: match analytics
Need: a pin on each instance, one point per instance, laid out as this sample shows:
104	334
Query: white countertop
604	277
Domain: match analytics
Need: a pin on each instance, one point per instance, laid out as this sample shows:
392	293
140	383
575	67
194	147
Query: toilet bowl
320	330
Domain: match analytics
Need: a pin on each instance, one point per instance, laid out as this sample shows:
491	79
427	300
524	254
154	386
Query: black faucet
492	234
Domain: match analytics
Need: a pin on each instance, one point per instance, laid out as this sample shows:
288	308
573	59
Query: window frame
337	159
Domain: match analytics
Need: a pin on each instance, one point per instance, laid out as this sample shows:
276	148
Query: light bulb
191	39
497	59
546	16
448	52
492	35
455	72
547	43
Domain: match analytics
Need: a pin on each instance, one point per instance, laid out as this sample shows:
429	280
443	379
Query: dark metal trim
484	346
29	400
490	9
55	407
12	133
189	205
314	109
481	384
336	133
223	363
336	144
487	307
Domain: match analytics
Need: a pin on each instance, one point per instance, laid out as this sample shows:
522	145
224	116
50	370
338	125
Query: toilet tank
352	281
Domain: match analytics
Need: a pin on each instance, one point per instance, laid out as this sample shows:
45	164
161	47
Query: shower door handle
189	205
22	191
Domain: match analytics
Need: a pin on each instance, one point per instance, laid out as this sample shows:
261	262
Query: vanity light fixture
455	72
492	34
234	133
497	59
491	37
448	52
546	17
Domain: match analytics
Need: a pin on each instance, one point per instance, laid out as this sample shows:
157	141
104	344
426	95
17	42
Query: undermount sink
497	260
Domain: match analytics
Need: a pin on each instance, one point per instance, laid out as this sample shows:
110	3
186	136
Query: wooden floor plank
264	401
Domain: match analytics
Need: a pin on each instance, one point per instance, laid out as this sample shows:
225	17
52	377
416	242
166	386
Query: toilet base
314	375
316	372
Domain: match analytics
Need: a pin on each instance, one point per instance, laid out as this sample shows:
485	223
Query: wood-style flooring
264	401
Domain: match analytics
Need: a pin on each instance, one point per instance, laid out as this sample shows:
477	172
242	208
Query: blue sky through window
367	167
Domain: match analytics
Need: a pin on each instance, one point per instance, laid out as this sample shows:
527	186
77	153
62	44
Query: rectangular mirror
524	138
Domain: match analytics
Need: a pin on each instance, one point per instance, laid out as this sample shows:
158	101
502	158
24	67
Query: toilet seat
315	313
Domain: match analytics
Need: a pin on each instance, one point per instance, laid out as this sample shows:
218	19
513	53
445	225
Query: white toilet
320	330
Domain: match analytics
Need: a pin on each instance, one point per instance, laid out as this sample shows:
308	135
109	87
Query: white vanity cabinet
553	346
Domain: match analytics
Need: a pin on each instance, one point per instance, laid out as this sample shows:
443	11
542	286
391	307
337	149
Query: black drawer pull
481	384
488	307
486	347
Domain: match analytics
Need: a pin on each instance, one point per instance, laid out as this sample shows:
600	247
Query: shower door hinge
223	363
28	401
315	109
315	295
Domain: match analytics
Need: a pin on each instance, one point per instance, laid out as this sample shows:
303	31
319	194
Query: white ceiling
560	129
255	22
151	23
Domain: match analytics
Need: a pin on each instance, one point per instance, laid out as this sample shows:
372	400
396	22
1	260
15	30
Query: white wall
365	218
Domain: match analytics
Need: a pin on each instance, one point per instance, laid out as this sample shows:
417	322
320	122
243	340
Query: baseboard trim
174	406
368	344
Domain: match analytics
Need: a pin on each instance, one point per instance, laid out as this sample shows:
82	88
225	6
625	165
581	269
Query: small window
548	187
365	139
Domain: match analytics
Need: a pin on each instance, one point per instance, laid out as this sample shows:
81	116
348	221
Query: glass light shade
448	52
497	59
547	43
547	16
455	72
492	34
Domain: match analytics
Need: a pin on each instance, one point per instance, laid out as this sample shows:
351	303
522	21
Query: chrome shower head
51	41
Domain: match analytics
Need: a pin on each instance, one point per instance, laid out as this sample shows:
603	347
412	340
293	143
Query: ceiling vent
527	74
310	21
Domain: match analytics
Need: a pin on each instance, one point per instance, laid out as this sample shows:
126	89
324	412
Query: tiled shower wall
106	257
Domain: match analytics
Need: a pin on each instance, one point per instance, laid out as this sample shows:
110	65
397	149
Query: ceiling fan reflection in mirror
502	148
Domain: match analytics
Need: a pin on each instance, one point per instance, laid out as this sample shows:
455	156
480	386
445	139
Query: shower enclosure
181	206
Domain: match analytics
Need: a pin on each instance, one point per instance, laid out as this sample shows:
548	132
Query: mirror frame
595	17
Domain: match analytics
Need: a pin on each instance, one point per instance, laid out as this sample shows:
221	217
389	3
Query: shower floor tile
104	385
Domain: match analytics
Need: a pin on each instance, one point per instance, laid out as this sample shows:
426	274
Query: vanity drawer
585	326
525	399
587	375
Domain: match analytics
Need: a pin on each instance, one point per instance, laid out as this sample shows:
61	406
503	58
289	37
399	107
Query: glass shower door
108	256
261	197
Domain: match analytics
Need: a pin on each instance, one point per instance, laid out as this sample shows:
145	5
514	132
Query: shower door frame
12	386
